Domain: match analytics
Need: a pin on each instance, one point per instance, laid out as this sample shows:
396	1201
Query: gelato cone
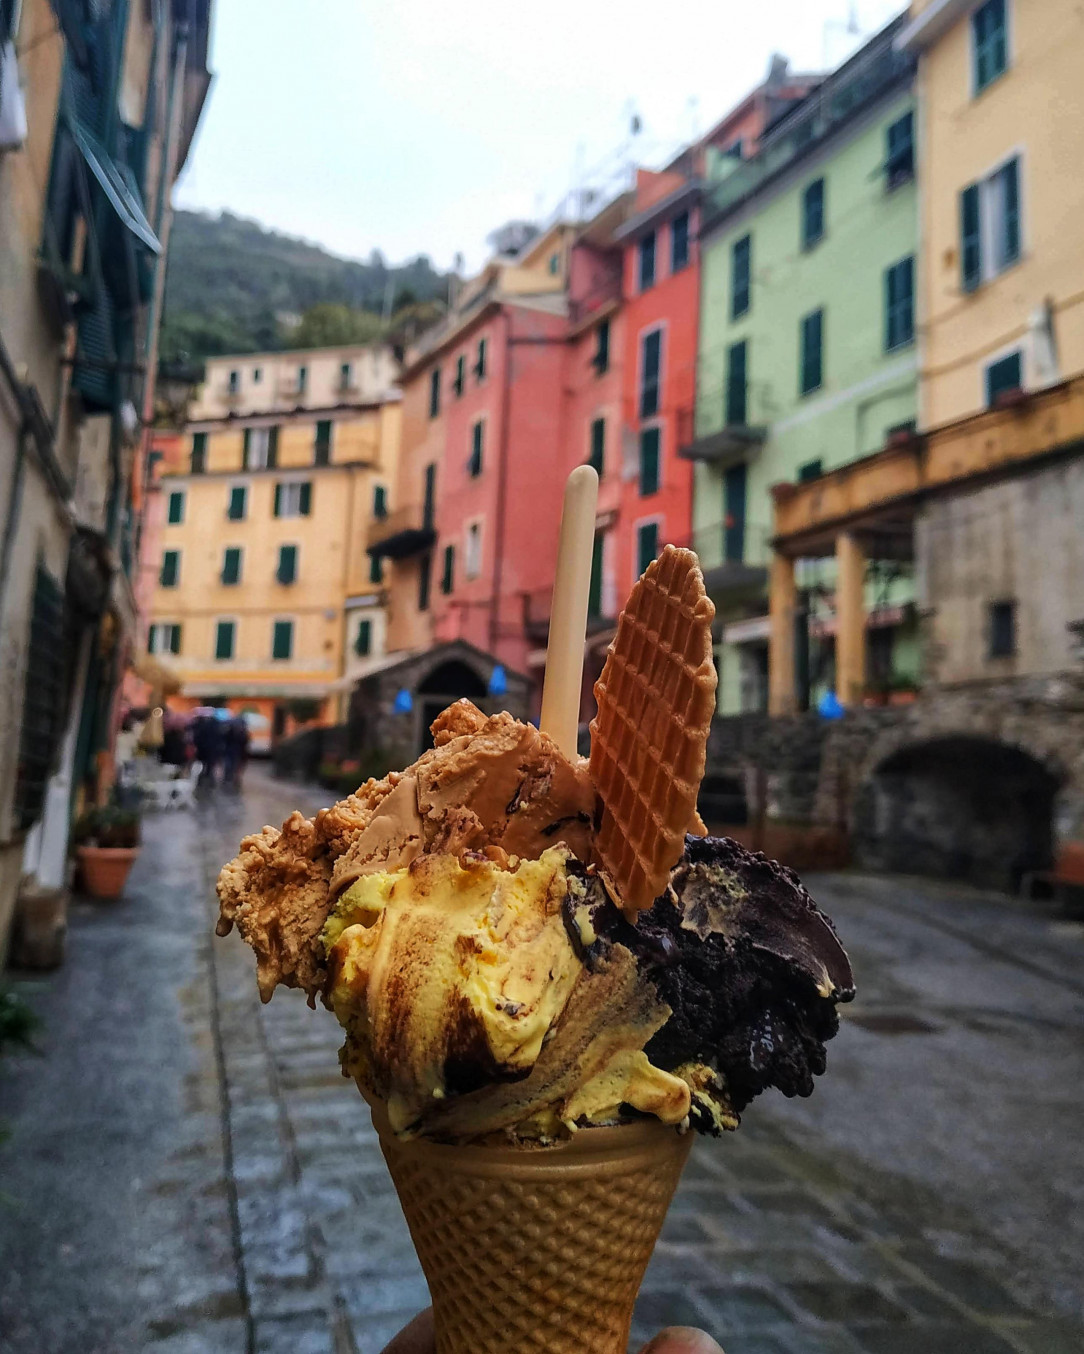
540	1249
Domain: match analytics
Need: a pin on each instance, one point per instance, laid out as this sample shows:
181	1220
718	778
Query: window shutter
305	506
247	452
272	448
423	582
970	238
376	569
447	581
278	500
175	639
736	384
649	461
1010	187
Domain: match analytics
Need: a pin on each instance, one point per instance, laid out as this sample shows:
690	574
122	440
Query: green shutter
199	453
601	359
447	578
380	501
594	592
480	365
224	640
306	499
322	449
598	444
811	375
475	465
175	639
231	565
176	507
736	406
647	544
282	639
363	643
171	568
376	569
812	213
278	500
236	509
650	364
424	569
649	461
247	448
287	570
970	238
1010	209
740	274
272	448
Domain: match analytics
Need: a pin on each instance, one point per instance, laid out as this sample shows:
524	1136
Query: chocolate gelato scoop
750	967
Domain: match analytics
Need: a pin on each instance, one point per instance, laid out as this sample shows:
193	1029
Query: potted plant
106	845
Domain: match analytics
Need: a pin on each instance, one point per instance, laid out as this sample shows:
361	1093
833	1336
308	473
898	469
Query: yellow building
266	597
1001	299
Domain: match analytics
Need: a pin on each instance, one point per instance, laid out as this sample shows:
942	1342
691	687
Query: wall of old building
1018	541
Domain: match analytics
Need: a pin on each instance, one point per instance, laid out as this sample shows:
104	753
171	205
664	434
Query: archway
446	683
957	807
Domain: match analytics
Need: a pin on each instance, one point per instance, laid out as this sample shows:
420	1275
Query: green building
806	357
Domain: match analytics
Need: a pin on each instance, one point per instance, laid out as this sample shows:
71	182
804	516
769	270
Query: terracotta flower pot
106	868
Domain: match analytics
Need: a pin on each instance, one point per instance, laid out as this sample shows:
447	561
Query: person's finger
682	1340
417	1338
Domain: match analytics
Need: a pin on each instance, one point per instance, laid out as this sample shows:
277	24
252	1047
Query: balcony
605	292
406	531
735	439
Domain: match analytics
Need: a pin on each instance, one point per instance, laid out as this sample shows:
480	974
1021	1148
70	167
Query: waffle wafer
656	697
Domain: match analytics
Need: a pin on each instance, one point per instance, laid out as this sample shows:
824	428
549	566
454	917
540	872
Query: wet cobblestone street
188	1173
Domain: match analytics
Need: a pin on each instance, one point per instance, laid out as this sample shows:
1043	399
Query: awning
119	189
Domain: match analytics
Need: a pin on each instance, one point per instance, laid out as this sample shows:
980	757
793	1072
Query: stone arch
451	677
956	805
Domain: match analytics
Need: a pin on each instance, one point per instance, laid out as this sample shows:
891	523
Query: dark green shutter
811	375
649	461
970	238
272	448
423	581
176	507
598	444
171	568
247	449
199	453
734	487
224	640
278	500
475	464
376	569
447	578
650	364
236	510
306	499
480	366
736	384
322	450
282	639
175	639
434	392
647	544
601	358
363	643
740	274
380	501
287	570
594	591
1010	207
231	565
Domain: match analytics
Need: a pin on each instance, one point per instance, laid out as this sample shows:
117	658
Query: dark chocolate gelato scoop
751	969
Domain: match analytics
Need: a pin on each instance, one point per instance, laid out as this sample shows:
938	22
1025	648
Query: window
237	503
472	558
736	149
1002	377
555	264
175	511
601	359
900	159
447	575
650	362
812	470
460	382
647	545
1002	629
363	640
899	304
813	213
346	376
811	374
989	43
43	696
233	384
302	380
162	637
282	640
430	496
649	461
679	242
170	573
736	384
734	489
376	569
261	446
293	499
257	375
434	392
424	570
380	501
990	225
598	444
224	631
321	453
594	588
741	259
199	453
286	573
480	365
231	566
646	257
474	465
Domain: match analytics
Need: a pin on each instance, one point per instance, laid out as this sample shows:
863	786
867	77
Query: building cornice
933	23
259	418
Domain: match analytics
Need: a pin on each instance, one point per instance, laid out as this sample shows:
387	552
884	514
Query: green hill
232	286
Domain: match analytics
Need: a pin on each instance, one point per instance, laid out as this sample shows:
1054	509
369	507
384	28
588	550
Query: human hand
417	1338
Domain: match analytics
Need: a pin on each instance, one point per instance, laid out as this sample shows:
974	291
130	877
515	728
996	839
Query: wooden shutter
306	499
272	448
278	500
970	238
247	452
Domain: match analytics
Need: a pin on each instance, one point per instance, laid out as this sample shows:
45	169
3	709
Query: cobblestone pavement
187	1172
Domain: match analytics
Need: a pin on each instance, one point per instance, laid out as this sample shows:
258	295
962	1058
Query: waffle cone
656	697
536	1250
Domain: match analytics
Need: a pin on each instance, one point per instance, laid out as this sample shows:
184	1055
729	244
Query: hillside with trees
233	286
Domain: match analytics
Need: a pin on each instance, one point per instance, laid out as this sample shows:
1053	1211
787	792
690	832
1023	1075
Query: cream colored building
266	597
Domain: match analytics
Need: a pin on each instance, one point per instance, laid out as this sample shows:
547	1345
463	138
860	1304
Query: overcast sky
418	126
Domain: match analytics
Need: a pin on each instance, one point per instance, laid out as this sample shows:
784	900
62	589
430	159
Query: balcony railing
605	291
406	531
735	436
